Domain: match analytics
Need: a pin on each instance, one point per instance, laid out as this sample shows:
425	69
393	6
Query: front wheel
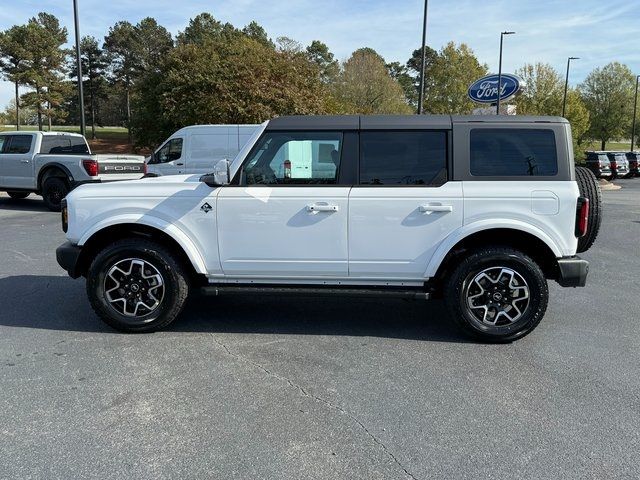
497	294
136	285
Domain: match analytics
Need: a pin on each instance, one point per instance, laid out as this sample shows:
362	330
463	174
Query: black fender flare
42	174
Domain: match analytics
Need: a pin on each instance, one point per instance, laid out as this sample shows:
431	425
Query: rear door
17	162
403	206
287	218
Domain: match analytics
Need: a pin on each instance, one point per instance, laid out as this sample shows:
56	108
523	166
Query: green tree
94	63
402	74
255	31
319	53
608	95
543	91
44	73
14	56
204	28
543	95
235	81
135	52
364	86
447	79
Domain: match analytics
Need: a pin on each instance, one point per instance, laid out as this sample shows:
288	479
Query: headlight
65	215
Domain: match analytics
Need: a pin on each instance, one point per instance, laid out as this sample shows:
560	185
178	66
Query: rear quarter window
511	152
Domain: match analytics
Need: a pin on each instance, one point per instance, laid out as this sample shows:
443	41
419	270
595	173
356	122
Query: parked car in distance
599	163
634	159
51	164
196	149
619	164
482	211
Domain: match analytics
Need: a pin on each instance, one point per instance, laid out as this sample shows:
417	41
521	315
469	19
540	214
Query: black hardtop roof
396	122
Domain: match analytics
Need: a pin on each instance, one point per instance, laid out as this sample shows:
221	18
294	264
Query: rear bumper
67	256
572	271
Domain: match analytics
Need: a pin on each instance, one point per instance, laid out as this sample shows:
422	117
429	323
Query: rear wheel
497	294
18	195
54	189
589	188
135	285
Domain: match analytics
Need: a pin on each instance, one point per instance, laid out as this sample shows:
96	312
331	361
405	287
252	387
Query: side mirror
220	175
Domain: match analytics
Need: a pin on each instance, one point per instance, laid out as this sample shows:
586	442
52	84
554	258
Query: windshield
237	161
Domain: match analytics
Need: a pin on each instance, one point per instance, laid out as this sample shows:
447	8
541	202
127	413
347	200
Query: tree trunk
39	108
603	145
49	114
17	107
128	112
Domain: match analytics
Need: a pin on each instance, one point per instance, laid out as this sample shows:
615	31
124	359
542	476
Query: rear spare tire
589	188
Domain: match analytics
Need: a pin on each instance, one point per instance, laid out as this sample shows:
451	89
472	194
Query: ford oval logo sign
485	90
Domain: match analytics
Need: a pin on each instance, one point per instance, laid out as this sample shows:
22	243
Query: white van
196	149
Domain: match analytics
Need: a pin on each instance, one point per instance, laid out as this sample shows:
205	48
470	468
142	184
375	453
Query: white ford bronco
481	211
53	163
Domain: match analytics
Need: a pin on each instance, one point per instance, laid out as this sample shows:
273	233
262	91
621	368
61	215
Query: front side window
403	158
3	142
501	152
19	144
170	151
297	158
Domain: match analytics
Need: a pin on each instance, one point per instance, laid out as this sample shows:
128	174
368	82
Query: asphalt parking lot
268	387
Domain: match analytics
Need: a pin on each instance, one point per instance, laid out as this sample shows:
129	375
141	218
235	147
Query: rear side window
403	158
506	152
63	144
19	144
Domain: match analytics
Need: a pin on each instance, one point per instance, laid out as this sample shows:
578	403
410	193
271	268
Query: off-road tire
589	188
167	264
476	262
54	189
18	195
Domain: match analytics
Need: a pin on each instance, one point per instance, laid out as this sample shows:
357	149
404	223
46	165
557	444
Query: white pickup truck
481	211
51	164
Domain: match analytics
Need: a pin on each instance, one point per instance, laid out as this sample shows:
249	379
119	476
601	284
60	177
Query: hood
157	187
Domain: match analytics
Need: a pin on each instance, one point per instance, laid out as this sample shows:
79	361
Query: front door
403	206
17	168
287	216
169	159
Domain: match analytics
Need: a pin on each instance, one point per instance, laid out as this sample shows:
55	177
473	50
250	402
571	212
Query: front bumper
572	271
68	256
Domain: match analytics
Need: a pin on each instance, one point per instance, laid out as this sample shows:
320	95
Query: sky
597	31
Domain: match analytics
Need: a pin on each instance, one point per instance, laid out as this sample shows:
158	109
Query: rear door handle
179	164
435	208
24	160
322	207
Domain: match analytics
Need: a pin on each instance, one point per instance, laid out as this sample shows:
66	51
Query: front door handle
435	208
24	160
322	207
179	164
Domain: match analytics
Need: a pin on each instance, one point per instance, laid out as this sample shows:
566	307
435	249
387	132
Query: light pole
635	107
424	48
83	126
566	84
500	71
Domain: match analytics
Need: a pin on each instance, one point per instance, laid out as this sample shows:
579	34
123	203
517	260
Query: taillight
582	220
144	168
91	166
65	215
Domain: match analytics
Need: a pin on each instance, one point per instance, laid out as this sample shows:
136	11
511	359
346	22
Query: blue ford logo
485	90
